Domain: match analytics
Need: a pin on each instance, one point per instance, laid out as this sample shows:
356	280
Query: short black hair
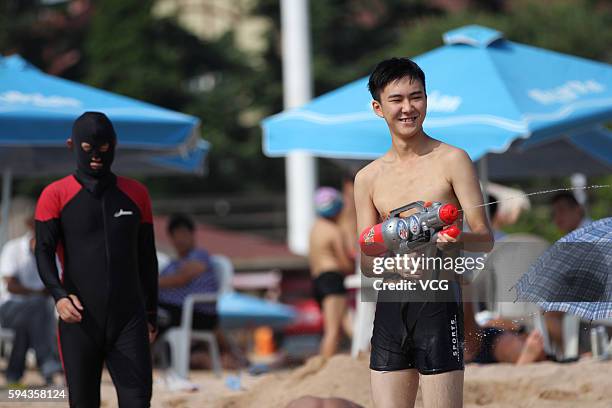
177	221
391	70
566	196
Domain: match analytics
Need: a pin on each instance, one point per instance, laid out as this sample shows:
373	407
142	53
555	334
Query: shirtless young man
330	261
411	338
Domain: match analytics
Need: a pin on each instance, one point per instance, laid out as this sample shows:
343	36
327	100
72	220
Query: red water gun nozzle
448	213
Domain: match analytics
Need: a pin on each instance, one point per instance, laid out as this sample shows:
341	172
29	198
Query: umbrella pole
300	166
7	183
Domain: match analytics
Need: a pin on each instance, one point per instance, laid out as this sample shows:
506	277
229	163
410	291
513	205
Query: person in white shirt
27	309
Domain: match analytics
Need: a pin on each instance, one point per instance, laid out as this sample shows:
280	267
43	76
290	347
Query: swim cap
328	202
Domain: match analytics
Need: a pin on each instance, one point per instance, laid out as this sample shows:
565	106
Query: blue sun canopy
484	92
37	111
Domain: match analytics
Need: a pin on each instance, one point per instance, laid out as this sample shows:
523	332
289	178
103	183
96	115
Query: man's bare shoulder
451	153
366	175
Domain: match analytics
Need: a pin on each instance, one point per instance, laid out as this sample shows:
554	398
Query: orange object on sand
264	341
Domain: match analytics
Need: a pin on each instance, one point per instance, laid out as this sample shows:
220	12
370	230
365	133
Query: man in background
191	272
330	261
27	308
567	214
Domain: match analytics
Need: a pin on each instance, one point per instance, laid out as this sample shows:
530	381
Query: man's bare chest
395	188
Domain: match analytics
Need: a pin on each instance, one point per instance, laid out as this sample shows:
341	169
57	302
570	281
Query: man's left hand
444	242
152	332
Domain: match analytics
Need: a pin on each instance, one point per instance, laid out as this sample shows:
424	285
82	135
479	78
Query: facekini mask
96	130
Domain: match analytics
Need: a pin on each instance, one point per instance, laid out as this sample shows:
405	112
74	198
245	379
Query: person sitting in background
567	214
491	344
27	309
330	262
498	340
191	272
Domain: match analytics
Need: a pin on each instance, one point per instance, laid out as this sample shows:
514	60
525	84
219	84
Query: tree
126	54
133	53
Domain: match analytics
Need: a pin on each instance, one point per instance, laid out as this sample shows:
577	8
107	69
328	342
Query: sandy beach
582	384
586	383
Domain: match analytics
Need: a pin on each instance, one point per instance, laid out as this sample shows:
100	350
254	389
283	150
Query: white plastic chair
179	338
363	322
605	323
6	338
510	259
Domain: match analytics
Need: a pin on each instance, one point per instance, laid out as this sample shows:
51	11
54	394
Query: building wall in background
210	19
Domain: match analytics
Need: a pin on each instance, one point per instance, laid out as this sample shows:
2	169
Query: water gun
403	234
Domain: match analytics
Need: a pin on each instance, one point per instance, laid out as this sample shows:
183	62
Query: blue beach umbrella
588	152
238	310
36	115
575	274
37	111
484	92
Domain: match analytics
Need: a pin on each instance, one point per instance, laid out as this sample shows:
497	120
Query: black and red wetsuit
102	230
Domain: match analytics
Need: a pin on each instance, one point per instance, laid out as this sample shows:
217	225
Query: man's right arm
341	252
48	232
188	271
367	216
9	268
14	286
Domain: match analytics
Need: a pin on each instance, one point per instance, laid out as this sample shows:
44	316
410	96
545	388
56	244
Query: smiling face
403	105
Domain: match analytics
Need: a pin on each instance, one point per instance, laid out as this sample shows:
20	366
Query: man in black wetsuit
102	229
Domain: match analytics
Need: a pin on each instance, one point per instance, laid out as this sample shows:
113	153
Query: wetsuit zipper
108	272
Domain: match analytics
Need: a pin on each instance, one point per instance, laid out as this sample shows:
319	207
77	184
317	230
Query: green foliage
17	30
577	27
127	54
572	27
164	64
347	35
601	198
538	221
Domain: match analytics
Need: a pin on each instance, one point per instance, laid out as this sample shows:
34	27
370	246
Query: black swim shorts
427	336
328	283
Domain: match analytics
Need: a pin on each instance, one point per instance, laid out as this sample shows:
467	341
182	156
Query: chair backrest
163	260
510	259
225	272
